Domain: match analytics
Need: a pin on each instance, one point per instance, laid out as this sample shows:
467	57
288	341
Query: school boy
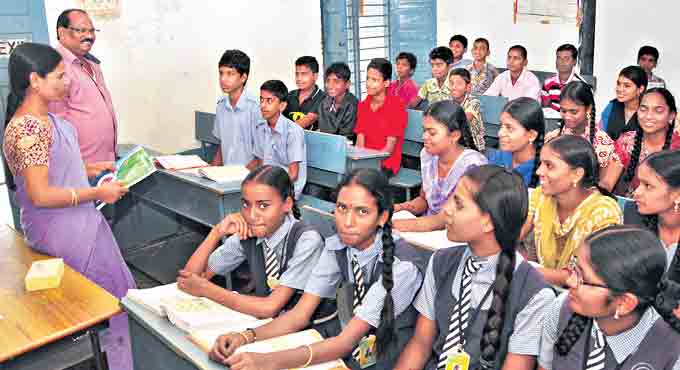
278	140
458	45
237	111
517	80
437	88
648	57
338	111
566	57
303	103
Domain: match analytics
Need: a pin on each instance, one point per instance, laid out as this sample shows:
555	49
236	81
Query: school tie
359	287
271	264
597	355
461	312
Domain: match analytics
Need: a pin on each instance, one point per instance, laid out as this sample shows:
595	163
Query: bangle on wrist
311	356
245	337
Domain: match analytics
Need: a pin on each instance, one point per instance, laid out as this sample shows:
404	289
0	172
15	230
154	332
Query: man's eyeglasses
575	271
82	31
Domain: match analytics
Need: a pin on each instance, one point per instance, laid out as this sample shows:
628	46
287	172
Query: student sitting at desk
437	88
517	80
655	133
338	111
280	250
381	118
480	304
404	86
620	115
577	107
520	139
277	140
448	153
568	205
618	313
384	274
237	111
460	86
58	215
657	201
303	103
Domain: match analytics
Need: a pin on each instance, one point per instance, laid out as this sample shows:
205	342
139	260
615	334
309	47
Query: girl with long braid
520	139
655	132
657	203
384	273
577	107
479	303
568	205
449	150
618	312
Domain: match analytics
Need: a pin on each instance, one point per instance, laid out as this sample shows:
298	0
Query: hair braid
572	332
468	140
385	331
669	135
491	335
666	301
592	124
635	155
537	159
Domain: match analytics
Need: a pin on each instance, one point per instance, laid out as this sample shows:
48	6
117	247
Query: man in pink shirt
517	81
87	105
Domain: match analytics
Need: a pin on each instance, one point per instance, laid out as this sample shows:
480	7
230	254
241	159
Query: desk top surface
356	153
29	320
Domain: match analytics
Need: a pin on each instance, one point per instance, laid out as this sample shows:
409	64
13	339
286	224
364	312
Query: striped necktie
359	287
596	356
461	312
271	262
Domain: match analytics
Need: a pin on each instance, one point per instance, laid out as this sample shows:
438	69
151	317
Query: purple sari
80	235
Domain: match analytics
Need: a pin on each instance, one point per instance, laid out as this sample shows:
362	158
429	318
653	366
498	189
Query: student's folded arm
293	171
419	347
361	140
254	163
421	224
291	321
519	362
391	143
610	174
198	262
416	206
261	307
414	102
308	120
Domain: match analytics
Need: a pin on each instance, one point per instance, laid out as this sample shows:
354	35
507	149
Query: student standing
618	313
338	111
381	118
277	140
655	133
280	250
517	81
58	215
520	139
237	111
480	304
448	153
568	205
620	115
303	103
384	275
404	86
482	73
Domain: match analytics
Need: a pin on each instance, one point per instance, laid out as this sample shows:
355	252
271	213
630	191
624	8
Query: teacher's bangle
77	198
73	197
311	356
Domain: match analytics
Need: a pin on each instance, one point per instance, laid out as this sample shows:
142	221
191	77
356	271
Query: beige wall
160	57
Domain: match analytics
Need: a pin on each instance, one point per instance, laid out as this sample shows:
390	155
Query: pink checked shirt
526	85
88	107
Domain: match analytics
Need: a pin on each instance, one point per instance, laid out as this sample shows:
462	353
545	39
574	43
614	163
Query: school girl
520	139
621	114
654	133
657	201
384	274
479	303
281	252
449	151
618	312
568	205
58	215
577	107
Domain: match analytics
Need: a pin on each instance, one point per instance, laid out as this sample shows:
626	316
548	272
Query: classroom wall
160	57
492	19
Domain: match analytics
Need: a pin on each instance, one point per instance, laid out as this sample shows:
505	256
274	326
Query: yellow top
31	319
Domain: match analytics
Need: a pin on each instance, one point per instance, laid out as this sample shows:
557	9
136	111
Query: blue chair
492	107
203	132
408	179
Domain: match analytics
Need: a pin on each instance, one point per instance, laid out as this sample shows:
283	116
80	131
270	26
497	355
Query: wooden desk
157	344
43	325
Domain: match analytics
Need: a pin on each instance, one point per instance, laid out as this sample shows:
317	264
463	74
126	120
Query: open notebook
185	311
205	339
432	240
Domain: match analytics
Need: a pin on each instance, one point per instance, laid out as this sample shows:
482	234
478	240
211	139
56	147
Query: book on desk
432	240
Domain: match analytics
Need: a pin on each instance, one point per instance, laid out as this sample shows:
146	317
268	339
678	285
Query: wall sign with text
8	45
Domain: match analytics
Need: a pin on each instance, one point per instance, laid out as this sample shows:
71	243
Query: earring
676	208
616	314
588	116
574	183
